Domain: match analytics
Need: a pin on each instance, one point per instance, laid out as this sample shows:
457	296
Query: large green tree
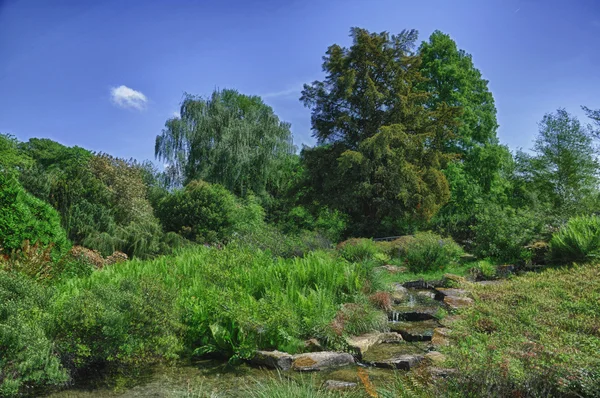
563	169
383	159
231	139
478	176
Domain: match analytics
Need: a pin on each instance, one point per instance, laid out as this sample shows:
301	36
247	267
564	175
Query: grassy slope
532	335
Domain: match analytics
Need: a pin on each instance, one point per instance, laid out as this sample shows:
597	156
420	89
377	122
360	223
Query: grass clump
430	252
532	336
358	249
578	240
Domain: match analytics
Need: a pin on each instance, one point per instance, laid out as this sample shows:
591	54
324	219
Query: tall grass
578	240
236	300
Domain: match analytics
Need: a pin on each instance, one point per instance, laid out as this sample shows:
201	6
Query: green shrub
358	249
23	217
28	357
578	240
397	247
130	322
207	213
484	269
502	233
430	252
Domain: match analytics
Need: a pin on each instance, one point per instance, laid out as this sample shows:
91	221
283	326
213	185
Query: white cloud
126	97
176	114
292	91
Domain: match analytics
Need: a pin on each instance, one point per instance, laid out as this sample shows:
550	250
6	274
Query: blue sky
106	74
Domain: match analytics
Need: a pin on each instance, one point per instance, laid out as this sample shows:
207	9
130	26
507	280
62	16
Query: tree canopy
230	138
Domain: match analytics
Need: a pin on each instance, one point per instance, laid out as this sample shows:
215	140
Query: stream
413	316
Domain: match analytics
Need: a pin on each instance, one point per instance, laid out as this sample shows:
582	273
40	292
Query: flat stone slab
435	357
440	337
362	343
338	385
415	331
321	360
455	302
272	360
403	362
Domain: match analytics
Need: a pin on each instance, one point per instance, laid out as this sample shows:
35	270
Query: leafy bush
430	252
484	269
397	247
358	249
28	357
26	218
201	212
578	240
130	321
502	232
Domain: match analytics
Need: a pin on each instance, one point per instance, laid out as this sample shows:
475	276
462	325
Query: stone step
321	360
415	331
395	356
361	344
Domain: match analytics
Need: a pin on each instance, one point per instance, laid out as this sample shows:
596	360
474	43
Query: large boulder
321	360
272	360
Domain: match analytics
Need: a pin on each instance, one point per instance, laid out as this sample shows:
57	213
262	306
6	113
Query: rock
404	362
435	357
321	360
456	303
468	257
362	343
392	269
313	345
399	293
440	337
338	385
421	284
272	359
503	271
426	293
415	331
444	292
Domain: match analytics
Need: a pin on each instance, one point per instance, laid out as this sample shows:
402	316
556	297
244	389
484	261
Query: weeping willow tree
231	139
